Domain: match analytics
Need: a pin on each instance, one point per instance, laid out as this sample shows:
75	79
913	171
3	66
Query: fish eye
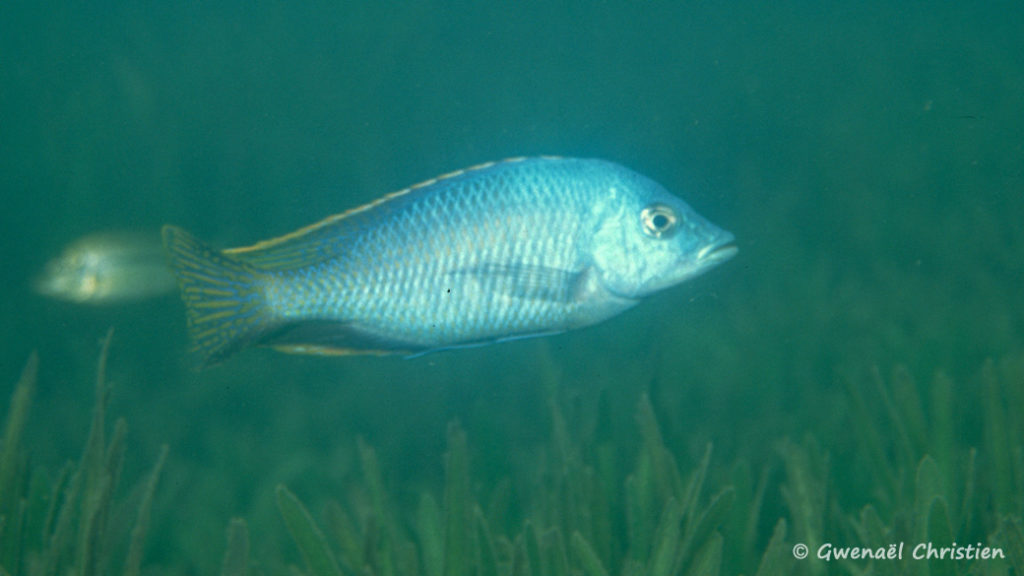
659	220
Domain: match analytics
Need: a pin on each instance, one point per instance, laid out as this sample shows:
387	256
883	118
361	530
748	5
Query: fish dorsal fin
327	238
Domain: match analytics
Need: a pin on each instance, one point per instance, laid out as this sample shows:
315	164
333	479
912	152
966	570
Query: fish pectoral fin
528	281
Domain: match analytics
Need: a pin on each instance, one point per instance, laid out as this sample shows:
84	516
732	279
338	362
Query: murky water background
868	156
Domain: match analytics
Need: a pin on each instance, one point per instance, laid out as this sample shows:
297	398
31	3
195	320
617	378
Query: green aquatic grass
930	487
13	507
672	520
74	523
307	535
236	556
598	506
673	527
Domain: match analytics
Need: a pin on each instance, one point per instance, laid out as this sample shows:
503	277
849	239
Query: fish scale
506	250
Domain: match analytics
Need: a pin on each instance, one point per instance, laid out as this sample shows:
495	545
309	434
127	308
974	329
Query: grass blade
775	561
135	548
431	535
587	557
236	557
487	559
10	463
708	560
666	541
456	501
308	537
1013	540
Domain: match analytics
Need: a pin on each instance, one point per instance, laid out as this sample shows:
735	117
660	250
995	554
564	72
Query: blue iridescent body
517	248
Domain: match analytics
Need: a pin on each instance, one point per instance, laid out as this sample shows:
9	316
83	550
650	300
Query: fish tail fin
224	304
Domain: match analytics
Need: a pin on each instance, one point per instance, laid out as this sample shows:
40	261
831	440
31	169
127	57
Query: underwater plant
926	486
915	470
72	523
672	526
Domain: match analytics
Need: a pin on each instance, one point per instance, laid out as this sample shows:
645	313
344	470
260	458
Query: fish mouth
717	252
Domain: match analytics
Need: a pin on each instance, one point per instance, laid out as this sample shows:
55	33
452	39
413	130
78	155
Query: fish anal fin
330	338
320	350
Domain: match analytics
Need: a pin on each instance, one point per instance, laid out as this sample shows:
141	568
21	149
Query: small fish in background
506	250
108	268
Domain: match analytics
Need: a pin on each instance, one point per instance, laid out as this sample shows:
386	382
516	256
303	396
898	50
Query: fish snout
718	250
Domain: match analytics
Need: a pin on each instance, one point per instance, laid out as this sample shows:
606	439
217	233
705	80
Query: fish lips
716	252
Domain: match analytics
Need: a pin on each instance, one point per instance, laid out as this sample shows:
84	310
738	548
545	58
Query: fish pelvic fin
224	303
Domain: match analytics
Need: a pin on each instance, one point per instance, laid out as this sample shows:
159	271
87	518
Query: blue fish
505	250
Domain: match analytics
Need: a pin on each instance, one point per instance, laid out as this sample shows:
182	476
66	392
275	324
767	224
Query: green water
868	157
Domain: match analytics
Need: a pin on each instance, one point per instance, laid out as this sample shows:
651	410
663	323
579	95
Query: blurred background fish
108	267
